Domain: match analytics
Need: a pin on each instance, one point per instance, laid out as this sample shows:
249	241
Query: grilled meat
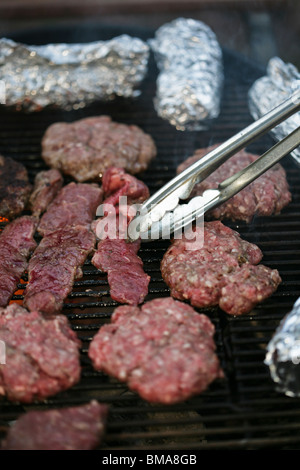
74	428
42	355
267	195
46	186
84	149
15	188
224	271
16	244
164	350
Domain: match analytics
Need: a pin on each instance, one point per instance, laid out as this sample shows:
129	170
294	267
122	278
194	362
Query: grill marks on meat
16	244
265	196
84	149
54	267
127	279
164	351
15	188
42	355
46	186
225	271
67	241
73	428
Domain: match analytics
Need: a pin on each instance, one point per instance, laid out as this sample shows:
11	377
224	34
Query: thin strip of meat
46	186
164	350
127	279
67	241
15	188
41	355
74	206
266	196
54	266
74	428
225	271
16	244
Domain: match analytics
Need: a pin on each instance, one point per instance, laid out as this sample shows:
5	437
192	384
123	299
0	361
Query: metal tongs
162	214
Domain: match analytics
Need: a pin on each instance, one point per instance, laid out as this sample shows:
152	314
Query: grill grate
242	412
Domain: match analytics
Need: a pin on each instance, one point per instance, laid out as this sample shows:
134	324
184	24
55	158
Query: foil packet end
283	354
280	82
71	76
190	79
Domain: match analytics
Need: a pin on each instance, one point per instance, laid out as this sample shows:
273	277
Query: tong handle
241	179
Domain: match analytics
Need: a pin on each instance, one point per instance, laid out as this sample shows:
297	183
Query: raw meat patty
15	188
164	351
84	149
267	195
42	355
74	428
224	271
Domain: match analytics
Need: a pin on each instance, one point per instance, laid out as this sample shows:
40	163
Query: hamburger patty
224	271
73	428
265	196
164	350
84	149
42	355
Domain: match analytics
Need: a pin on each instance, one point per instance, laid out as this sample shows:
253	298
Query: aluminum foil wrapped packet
280	82
70	76
283	353
190	79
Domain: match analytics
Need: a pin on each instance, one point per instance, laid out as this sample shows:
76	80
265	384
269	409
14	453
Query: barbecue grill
243	411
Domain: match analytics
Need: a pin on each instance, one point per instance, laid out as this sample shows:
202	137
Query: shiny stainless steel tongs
162	214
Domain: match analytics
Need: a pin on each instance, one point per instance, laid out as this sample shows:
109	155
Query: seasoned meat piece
267	195
164	351
117	183
15	188
42	355
224	271
126	277
46	186
73	428
84	149
74	206
54	266
16	244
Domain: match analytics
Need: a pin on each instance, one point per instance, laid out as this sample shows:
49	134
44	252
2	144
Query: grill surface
244	411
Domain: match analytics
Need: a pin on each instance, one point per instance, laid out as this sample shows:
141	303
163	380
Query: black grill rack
243	411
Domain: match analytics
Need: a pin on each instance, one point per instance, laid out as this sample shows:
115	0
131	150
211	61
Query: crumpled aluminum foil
283	353
190	79
280	82
70	76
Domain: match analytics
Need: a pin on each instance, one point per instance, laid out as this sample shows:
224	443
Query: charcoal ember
266	196
41	355
163	350
15	188
222	271
16	244
72	428
84	149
